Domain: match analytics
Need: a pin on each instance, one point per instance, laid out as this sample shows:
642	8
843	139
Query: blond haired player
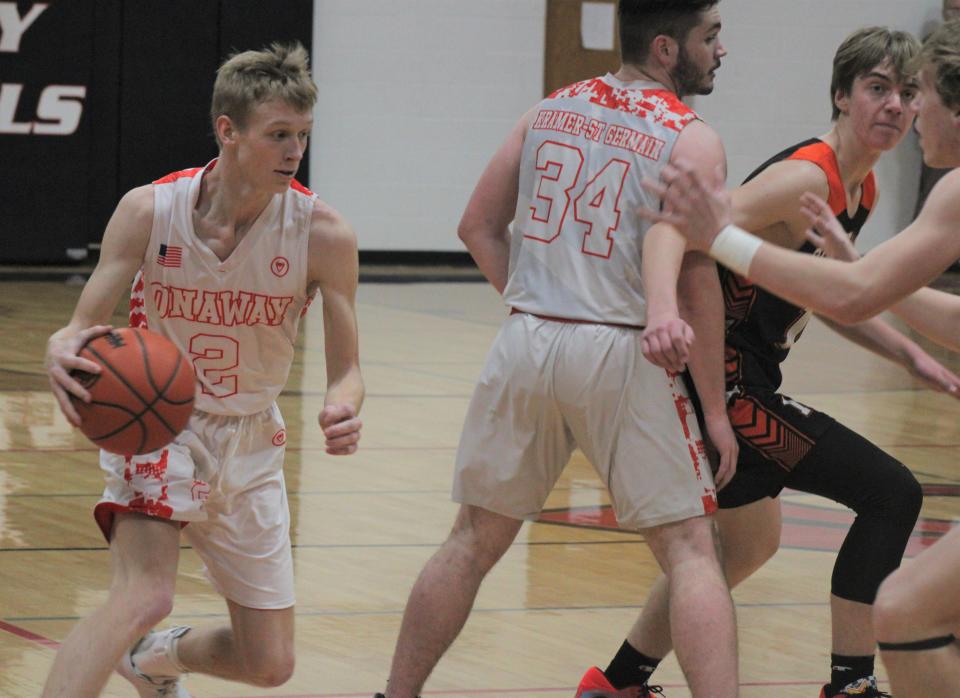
229	256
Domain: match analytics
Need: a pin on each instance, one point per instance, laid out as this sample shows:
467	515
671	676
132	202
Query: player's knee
747	556
892	606
269	669
896	495
905	494
143	607
482	537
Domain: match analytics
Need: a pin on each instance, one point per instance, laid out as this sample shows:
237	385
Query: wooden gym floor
561	599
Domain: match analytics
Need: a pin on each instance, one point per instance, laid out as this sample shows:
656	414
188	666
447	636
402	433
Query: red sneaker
861	688
594	684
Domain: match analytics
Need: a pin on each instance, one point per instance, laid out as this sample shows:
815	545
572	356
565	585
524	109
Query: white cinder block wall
415	96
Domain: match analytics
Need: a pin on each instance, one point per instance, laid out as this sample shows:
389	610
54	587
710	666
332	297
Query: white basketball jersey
235	320
576	240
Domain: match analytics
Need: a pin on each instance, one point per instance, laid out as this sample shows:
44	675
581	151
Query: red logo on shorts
280	438
279	266
199	491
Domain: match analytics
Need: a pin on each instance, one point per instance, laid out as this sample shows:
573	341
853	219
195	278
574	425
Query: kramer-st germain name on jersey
227	308
598	131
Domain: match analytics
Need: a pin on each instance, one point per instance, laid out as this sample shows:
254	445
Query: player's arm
122	253
333	269
769	204
667	337
700	208
876	334
934	314
701	304
879	337
484	226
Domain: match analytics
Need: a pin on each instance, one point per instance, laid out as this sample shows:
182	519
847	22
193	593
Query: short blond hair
865	49
941	53
247	79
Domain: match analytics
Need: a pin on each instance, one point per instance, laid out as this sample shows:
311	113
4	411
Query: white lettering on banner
13	26
60	107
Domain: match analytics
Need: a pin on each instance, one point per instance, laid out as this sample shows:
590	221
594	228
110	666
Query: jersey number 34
595	213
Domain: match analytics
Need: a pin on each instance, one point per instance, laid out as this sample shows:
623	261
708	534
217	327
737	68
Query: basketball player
229	257
566	368
917	611
800	447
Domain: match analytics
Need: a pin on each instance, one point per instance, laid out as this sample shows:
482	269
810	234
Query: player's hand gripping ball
142	397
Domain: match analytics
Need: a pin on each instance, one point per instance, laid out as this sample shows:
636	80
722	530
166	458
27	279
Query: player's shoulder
698	142
137	204
329	228
798	176
944	198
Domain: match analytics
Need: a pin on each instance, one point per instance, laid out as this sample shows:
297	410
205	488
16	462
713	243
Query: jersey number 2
596	210
213	357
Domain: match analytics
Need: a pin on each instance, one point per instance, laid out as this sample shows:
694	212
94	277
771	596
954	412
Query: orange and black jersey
761	327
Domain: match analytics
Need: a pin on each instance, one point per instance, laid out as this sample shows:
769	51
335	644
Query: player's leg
512	449
640	431
443	595
702	620
144	553
886	497
749	536
916	619
256	648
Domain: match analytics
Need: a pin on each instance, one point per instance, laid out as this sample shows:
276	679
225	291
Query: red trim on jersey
574	321
869	195
296	186
822	155
657	104
174	176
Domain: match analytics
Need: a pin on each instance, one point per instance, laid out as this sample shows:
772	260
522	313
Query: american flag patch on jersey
170	256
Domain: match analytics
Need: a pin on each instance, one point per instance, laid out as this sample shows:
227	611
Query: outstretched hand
341	427
825	231
934	374
697	206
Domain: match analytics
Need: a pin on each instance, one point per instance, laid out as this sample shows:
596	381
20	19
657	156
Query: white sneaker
152	686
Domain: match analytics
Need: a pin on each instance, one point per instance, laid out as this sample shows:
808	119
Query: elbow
467	232
850	309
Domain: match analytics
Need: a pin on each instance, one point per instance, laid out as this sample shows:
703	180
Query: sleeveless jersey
762	327
235	320
576	239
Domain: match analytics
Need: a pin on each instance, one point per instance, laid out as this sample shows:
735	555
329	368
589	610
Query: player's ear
842	101
663	48
226	129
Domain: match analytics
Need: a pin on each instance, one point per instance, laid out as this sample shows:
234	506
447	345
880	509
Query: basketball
142	397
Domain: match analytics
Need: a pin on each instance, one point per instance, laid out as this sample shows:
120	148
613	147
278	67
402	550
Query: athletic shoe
152	686
594	684
861	688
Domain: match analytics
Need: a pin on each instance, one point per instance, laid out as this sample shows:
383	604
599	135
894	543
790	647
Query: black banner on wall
100	96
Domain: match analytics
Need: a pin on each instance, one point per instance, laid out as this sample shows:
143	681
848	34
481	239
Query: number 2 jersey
762	327
576	237
235	320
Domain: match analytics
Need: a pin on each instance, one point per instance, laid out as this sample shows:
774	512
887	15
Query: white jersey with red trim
576	240
235	320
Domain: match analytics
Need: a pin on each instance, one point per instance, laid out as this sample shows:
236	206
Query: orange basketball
142	397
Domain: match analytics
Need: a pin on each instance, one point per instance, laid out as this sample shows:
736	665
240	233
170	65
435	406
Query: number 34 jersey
576	238
235	320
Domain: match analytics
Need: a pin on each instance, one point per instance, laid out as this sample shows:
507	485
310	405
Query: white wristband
734	248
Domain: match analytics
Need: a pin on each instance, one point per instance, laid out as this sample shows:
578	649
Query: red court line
27	635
